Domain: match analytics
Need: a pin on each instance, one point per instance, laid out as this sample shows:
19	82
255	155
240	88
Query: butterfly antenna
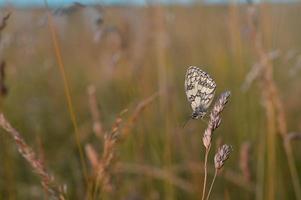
186	122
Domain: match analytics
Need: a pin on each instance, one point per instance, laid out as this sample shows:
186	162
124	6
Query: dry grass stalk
214	122
245	160
220	158
160	48
137	112
145	170
257	69
215	118
229	175
94	109
4	20
274	109
102	165
92	156
47	181
108	155
3	87
154	172
67	90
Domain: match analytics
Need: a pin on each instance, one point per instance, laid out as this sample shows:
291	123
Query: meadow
97	97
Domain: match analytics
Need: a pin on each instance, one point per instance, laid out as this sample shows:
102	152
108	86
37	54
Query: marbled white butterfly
200	89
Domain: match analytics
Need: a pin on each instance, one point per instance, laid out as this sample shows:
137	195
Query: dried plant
220	158
154	172
245	160
47	181
228	174
257	69
3	87
214	122
137	112
4	20
67	90
102	166
94	109
215	118
92	156
103	172
276	120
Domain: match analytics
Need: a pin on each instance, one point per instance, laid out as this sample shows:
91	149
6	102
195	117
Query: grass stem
211	186
205	175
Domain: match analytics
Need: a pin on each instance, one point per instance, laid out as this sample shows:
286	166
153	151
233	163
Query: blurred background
107	56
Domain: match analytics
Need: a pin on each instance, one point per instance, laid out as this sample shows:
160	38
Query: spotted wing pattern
199	88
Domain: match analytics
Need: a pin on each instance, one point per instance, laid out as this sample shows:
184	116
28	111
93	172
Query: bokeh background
123	54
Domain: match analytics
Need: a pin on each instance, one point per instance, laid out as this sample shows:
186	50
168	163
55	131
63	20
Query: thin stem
211	186
205	169
47	181
293	169
67	91
277	111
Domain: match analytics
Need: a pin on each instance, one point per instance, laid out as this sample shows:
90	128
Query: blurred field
131	54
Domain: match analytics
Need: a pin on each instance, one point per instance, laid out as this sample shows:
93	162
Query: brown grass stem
229	175
3	87
205	172
137	112
154	172
105	163
220	158
211	185
190	167
47	181
4	21
213	124
245	160
67	90
102	165
276	120
95	112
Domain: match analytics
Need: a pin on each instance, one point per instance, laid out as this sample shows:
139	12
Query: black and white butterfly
199	89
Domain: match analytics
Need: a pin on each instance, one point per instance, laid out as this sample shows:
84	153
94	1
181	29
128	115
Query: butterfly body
199	89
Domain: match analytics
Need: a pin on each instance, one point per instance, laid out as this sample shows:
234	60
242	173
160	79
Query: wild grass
222	155
103	166
135	58
3	87
275	114
52	189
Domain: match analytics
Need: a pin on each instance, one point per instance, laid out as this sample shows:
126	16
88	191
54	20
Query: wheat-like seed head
221	156
215	117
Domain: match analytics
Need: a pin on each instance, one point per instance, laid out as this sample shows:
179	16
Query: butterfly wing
199	88
191	86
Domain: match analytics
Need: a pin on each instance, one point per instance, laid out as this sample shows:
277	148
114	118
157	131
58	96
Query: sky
137	2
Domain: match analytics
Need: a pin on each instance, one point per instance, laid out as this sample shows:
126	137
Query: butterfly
199	89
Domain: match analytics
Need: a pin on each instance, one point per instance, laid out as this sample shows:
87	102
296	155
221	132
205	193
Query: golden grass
47	181
276	120
139	51
67	90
